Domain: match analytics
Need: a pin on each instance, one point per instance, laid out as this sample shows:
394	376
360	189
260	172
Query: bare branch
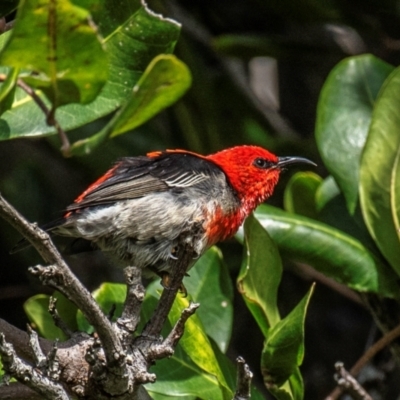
114	363
384	341
56	318
130	317
20	340
350	384
179	266
18	391
40	358
243	380
60	277
167	347
28	375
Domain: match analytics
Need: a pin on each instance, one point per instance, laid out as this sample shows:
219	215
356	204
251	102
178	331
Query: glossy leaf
210	285
130	48
328	250
299	196
378	163
180	376
159	396
196	344
108	17
260	275
164	81
258	281
57	42
108	296
283	349
332	211
37	310
7	88
293	389
343	118
193	369
395	193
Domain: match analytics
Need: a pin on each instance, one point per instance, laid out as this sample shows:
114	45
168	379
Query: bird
137	210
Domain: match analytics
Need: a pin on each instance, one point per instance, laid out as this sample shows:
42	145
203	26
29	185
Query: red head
253	172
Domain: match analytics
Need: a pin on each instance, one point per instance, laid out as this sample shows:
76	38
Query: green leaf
297	385
57	42
37	310
299	196
165	80
130	48
159	396
328	250
293	389
196	344
378	163
343	118
7	88
106	16
283	349
108	296
185	374
66	310
260	275
210	285
332	211
180	376
395	193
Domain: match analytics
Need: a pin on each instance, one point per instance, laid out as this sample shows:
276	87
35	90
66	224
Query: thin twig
384	341
29	375
40	358
167	347
243	380
350	384
58	322
49	113
178	266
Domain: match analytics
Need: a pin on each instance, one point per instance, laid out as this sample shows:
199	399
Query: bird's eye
263	163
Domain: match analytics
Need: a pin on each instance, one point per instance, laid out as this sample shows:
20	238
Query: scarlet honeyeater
136	211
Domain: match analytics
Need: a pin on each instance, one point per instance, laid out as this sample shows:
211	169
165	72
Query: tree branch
114	363
59	276
184	258
31	377
350	384
18	391
384	341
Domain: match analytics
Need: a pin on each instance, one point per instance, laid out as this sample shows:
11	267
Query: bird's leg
173	252
165	282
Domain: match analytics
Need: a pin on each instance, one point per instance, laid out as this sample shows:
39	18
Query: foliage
114	62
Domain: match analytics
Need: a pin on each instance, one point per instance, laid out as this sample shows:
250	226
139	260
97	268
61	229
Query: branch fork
115	363
112	363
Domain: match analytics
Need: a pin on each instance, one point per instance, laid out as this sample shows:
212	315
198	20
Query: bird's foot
165	283
173	253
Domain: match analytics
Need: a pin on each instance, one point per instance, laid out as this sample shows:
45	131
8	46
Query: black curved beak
285	161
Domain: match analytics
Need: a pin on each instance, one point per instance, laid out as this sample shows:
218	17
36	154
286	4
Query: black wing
135	177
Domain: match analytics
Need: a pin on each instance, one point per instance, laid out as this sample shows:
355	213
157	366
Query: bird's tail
24	244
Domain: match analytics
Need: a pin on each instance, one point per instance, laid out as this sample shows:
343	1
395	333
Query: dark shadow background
258	68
